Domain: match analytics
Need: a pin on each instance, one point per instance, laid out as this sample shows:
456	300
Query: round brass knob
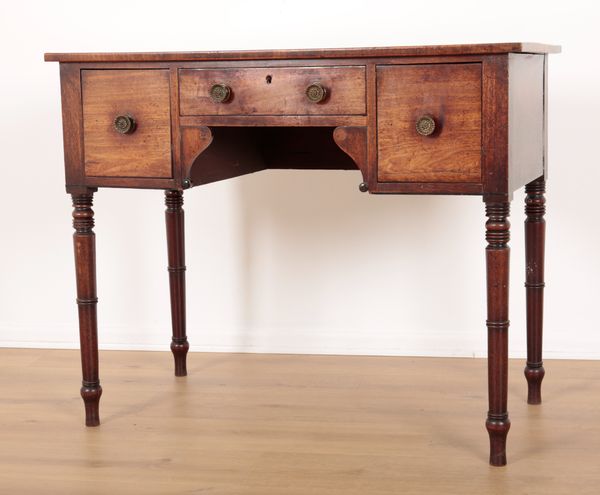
363	187
316	93
425	125
124	124
220	93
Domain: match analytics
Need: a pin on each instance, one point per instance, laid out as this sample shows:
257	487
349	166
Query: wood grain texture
220	153
497	255
495	128
273	120
353	141
487	100
175	223
194	140
178	171
451	93
535	243
258	424
142	94
397	51
84	247
273	91
217	153
70	90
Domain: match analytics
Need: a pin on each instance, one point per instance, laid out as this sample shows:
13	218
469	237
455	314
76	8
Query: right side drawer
429	123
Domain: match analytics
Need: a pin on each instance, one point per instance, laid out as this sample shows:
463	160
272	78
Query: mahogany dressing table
457	119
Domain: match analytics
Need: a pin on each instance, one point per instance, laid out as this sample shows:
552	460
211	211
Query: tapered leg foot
174	218
90	393
535	236
180	348
497	263
498	430
534	378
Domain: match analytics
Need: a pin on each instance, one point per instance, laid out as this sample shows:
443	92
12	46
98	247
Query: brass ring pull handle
220	93
425	125
316	92
124	124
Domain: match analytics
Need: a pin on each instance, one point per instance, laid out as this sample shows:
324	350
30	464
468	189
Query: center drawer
273	91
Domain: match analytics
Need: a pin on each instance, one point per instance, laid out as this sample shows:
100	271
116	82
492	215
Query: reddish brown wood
490	101
451	95
84	244
535	238
495	127
178	176
497	261
72	121
194	140
353	141
142	94
460	188
496	102
273	91
302	148
219	153
274	120
174	218
398	51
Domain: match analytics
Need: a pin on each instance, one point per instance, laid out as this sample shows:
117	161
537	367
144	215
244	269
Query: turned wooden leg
84	243
497	261
535	236
176	250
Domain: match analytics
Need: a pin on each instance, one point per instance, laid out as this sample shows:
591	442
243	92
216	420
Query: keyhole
269	78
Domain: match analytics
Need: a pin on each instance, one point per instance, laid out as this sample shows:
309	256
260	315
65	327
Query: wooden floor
251	424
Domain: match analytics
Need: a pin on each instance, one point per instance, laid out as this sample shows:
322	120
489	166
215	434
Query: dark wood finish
303	148
214	154
174	218
488	102
273	91
535	239
218	153
84	244
497	262
451	94
194	140
274	120
353	141
460	188
178	176
72	119
398	51
142	94
136	182
495	128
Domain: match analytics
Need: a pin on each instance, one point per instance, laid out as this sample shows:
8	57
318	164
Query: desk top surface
312	53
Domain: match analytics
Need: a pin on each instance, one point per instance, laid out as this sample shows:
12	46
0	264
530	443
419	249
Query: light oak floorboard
257	424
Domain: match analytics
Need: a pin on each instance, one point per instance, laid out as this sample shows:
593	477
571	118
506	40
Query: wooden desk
461	119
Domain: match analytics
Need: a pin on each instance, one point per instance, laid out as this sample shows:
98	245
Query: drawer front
143	95
450	95
273	91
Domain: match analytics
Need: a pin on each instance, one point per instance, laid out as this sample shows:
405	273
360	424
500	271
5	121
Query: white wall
292	261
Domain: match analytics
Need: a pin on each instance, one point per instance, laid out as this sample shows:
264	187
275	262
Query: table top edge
311	53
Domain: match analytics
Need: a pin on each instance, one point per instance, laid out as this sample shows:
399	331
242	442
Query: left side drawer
126	123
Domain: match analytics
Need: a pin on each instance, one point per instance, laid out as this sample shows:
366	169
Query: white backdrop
292	261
